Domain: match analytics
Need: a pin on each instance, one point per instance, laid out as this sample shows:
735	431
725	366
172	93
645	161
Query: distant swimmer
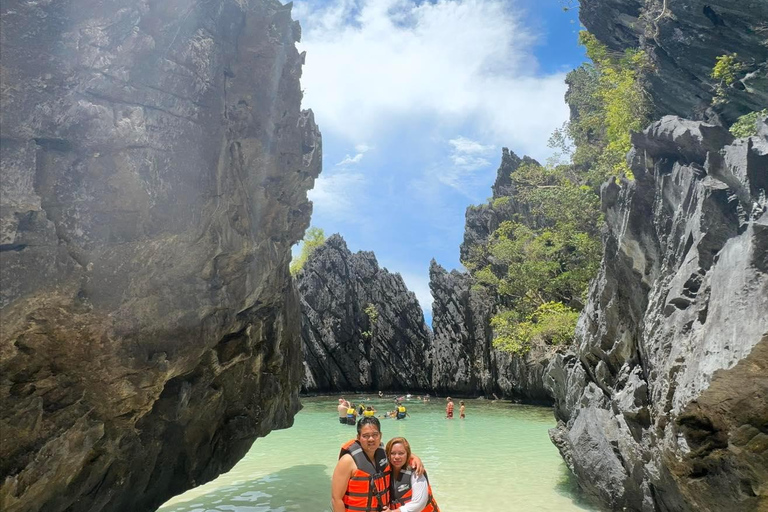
449	408
401	412
369	412
351	414
343	406
461	410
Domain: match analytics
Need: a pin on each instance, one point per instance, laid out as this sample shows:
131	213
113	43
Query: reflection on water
272	493
498	459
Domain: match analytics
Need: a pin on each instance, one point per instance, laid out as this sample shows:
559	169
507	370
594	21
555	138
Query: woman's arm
340	481
420	495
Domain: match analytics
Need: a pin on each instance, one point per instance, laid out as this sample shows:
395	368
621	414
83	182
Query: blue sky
415	100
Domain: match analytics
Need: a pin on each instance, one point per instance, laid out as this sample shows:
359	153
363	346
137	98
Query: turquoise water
498	459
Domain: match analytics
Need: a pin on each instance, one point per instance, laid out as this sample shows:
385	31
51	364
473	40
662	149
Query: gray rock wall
155	164
465	362
346	349
684	39
663	404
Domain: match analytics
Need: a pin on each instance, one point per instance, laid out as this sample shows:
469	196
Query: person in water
343	406
408	492
461	410
361	480
369	412
351	414
449	409
401	412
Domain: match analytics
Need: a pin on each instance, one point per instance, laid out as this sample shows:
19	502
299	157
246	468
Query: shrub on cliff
607	102
313	238
539	265
746	125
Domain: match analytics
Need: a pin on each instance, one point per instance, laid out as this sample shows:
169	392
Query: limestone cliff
361	328
465	361
663	404
684	39
155	164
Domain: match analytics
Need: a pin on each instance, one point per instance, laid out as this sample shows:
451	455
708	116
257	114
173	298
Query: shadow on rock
305	487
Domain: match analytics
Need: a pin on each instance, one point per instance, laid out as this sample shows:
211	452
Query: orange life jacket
401	492
368	487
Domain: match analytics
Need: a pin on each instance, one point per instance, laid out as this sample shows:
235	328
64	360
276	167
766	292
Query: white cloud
361	149
350	160
469	155
373	65
337	194
464	145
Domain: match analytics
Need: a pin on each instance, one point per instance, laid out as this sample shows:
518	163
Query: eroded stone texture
346	348
155	164
663	405
465	361
684	39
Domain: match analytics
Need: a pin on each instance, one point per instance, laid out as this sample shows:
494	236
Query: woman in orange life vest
360	481
408	492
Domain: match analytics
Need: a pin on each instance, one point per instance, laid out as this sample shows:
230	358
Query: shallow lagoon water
497	459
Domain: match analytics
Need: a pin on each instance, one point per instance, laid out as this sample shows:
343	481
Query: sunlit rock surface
346	348
683	39
663	404
465	361
155	164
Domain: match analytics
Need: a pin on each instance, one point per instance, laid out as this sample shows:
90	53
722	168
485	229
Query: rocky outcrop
663	404
465	361
361	328
684	39
155	165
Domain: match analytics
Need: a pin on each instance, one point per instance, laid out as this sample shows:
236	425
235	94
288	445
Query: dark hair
368	420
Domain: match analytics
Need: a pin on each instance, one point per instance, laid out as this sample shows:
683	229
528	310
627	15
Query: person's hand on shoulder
417	465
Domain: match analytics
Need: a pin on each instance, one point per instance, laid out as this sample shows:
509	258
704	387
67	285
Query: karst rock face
663	405
683	38
465	361
348	348
155	163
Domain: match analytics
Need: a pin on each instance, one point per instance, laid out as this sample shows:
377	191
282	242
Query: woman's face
397	456
369	438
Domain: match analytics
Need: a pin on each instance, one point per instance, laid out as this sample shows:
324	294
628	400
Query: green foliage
552	323
500	202
726	70
746	125
313	238
373	316
541	263
372	312
607	102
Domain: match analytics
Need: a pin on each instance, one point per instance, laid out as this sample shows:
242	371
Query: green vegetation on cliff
608	102
541	258
313	238
540	262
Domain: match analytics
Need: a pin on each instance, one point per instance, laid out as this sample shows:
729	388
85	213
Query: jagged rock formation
683	39
155	165
663	405
347	348
465	361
